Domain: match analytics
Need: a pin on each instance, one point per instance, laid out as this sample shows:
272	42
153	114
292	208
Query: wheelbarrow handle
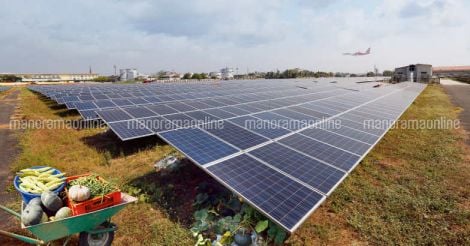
22	238
10	211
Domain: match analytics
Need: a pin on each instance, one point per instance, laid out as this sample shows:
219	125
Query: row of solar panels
87	105
4	88
166	91
287	176
170	88
87	108
284	153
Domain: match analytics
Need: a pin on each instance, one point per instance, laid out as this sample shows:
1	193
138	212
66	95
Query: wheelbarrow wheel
100	239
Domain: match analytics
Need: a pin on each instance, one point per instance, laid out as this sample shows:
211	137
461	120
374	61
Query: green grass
409	190
93	150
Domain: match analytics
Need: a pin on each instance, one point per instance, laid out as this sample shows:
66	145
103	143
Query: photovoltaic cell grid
108	96
315	157
302	146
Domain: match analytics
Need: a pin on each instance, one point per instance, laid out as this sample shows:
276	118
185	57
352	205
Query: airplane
358	53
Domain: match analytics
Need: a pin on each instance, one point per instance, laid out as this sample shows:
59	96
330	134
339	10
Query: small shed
421	73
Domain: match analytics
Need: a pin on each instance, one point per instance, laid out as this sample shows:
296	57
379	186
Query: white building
217	75
227	73
56	77
128	74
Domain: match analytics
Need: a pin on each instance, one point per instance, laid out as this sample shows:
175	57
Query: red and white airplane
358	53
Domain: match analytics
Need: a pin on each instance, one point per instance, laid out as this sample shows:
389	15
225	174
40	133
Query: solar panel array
283	146
4	88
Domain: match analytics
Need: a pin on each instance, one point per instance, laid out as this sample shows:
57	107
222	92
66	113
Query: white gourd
79	193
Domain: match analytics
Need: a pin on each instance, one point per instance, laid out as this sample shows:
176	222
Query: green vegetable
35	201
31	215
261	226
97	187
242	239
44	218
63	213
51	201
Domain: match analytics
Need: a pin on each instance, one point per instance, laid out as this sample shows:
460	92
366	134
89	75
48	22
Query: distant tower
90	70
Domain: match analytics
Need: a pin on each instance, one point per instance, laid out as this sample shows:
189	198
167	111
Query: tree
387	73
196	76
9	78
160	74
187	76
102	79
370	74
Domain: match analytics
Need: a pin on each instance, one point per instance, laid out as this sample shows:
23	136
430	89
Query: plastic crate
97	203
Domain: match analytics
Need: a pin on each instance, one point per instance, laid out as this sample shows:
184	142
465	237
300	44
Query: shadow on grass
58	109
175	191
108	142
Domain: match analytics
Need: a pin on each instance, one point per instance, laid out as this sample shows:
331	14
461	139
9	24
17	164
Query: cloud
202	35
420	9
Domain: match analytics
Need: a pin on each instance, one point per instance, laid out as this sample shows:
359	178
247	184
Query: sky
54	36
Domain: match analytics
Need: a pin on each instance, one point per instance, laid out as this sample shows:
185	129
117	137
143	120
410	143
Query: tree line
9	78
296	73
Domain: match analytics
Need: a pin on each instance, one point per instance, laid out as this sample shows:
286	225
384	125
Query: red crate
94	204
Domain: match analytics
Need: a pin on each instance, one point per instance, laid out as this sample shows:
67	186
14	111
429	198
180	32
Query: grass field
409	190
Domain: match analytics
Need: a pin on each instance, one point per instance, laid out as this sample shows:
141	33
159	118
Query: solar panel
105	104
201	116
321	151
181	120
162	109
276	195
352	133
283	145
339	141
139	112
235	135
200	146
182	107
222	114
234	110
261	127
112	115
280	120
122	102
84	105
100	96
138	101
88	114
157	124
318	175
130	129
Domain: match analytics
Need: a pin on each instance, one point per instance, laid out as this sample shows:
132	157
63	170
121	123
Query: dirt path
8	145
460	95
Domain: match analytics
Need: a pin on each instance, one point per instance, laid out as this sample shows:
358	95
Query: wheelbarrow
95	228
